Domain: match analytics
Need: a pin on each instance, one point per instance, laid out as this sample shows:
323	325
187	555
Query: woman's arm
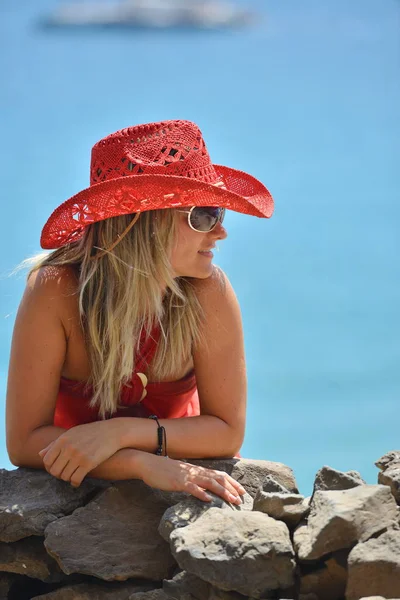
221	380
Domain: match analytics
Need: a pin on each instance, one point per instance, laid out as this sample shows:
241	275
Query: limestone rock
192	508
6	582
269	484
29	557
31	499
332	479
391	477
388	459
251	473
98	591
339	519
289	508
374	567
118	537
186	586
152	595
328	582
246	552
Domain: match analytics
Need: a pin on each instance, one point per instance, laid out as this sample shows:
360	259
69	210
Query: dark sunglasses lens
204	218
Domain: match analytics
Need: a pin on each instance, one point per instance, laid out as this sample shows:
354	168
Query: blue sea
307	99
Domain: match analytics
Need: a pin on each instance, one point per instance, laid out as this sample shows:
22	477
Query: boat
154	14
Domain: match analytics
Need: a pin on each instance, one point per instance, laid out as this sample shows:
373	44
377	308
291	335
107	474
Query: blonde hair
121	294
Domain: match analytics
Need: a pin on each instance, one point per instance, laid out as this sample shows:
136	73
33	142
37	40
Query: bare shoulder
216	290
222	315
53	289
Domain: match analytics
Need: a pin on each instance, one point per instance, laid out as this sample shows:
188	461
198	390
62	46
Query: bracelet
161	433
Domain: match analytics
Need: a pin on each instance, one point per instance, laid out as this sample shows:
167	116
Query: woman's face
191	257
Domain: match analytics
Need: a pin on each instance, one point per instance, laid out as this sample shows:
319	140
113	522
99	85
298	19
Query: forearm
203	436
124	464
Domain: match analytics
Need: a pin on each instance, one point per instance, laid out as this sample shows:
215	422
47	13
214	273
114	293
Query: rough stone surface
6	581
93	591
153	595
185	585
388	459
269	484
328	582
190	509
247	552
374	567
339	519
251	473
391	477
118	537
31	499
289	508
29	557
331	479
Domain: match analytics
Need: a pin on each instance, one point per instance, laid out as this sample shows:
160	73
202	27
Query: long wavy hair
125	291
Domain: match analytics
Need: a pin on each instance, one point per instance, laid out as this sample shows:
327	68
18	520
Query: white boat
207	14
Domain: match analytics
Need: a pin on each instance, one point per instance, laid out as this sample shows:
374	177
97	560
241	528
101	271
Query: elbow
235	441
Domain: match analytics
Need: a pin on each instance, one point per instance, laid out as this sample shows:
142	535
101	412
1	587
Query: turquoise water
307	100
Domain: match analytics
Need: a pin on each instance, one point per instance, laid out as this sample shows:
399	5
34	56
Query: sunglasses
204	218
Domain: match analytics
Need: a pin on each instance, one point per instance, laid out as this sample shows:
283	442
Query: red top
167	400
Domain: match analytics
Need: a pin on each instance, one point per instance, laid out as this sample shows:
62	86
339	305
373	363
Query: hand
172	475
79	450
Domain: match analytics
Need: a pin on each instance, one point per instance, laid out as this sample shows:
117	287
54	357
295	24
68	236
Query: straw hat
153	166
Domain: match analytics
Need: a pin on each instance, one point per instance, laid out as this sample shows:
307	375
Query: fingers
219	482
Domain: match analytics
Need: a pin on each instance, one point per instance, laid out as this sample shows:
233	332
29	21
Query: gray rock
339	519
192	508
152	595
246	552
388	459
98	591
251	473
356	475
29	557
31	499
118	537
289	508
374	567
269	484
331	479
186	584
328	582
6	582
391	477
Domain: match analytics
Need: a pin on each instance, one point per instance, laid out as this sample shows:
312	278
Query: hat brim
138	193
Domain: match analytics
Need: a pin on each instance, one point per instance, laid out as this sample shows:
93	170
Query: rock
152	595
29	557
391	477
374	567
31	499
6	582
251	473
94	591
356	475
289	508
331	479
328	582
118	537
185	584
388	459
339	519
192	508
269	484
246	552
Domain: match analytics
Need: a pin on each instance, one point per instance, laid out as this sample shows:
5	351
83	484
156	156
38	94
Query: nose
219	232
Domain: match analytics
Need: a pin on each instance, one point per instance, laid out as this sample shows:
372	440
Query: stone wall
127	541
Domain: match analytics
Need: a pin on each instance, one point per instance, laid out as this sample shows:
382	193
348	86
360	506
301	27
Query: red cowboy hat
158	165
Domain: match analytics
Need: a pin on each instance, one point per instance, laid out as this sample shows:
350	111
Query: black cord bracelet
162	437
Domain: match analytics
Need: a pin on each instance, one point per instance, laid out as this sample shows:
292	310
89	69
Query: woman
128	319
